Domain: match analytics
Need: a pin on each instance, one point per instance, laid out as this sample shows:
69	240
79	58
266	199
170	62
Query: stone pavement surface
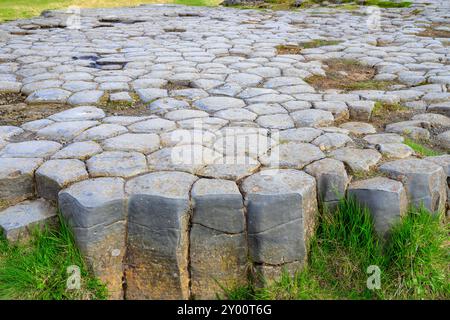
235	151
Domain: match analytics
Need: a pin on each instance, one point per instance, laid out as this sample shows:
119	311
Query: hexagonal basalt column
218	245
158	220
385	198
96	211
281	212
424	181
17	177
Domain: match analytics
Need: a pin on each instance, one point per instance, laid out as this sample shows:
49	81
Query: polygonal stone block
425	182
54	175
17	177
158	218
218	246
281	212
95	210
30	149
385	198
332	180
17	221
117	164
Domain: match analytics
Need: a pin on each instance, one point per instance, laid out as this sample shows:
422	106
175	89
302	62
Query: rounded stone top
378	183
204	187
95	192
168	184
412	165
278	181
79	114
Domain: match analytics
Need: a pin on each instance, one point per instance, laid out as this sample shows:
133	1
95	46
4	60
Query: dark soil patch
173	86
432	32
347	75
19	113
10	98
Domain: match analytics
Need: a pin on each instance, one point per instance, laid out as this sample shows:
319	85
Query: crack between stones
217	230
276	226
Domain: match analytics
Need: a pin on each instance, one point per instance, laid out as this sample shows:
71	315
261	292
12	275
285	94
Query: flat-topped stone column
96	211
425	182
158	220
385	198
218	244
281	212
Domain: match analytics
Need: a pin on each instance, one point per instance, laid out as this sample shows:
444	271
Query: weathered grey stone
357	159
167	104
30	149
444	162
312	118
276	121
7	132
359	128
78	150
158	218
55	175
281	210
425	182
101	132
330	141
337	108
52	95
385	198
10	86
150	94
245	79
188	158
361	110
213	104
331	178
144	143
299	135
444	139
291	155
442	108
36	125
79	114
18	221
381	138
218	249
236	114
433	118
185	114
65	131
95	210
17	177
152	126
395	150
86	97
414	128
230	167
117	164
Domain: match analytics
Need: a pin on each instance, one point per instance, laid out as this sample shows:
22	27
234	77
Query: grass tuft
420	148
38	270
414	260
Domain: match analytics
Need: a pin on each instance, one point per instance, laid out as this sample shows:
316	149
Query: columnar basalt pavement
226	166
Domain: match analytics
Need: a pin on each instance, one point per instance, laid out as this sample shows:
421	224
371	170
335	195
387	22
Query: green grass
38	269
384	108
420	148
414	262
18	9
318	43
